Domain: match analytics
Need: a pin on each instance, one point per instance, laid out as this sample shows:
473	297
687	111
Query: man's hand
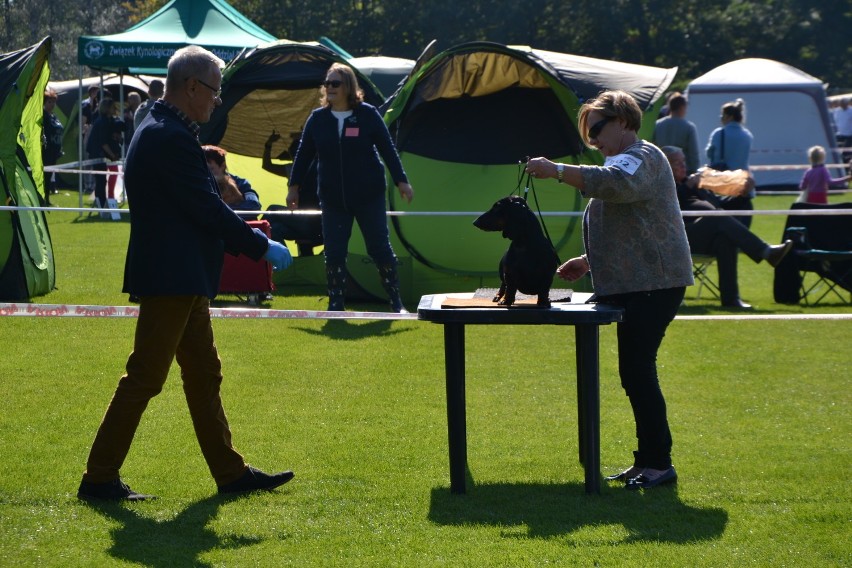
278	255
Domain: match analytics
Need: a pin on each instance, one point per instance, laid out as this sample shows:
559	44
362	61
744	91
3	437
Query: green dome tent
462	122
26	252
274	86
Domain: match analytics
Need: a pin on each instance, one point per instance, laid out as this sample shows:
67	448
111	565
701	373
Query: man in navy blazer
179	230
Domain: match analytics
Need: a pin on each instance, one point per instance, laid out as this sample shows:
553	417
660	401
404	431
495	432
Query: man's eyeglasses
216	92
332	84
596	128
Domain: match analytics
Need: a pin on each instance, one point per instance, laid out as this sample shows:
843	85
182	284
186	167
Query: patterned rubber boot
390	282
336	277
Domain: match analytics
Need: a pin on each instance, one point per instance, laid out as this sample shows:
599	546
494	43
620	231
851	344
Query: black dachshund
530	263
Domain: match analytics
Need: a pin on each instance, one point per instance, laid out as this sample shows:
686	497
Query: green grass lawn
759	413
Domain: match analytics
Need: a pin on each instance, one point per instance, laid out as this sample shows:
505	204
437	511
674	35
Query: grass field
759	413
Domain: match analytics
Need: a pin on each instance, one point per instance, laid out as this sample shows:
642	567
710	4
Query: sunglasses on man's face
596	128
333	84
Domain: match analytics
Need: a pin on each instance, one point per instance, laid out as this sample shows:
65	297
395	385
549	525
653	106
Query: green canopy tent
147	46
462	122
26	253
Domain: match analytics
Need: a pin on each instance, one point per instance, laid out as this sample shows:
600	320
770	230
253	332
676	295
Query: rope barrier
779	167
717	213
96	311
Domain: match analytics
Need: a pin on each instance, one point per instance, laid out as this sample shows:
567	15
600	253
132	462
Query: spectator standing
51	141
843	123
102	145
346	136
729	148
155	91
675	130
131	105
89	112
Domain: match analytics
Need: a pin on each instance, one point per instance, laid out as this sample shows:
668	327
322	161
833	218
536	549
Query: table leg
456	427
588	373
581	406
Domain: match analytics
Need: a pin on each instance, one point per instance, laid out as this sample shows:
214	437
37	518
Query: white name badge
624	162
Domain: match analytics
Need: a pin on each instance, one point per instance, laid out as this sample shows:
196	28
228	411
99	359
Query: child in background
815	182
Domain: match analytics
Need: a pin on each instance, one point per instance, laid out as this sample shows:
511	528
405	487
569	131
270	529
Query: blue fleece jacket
348	167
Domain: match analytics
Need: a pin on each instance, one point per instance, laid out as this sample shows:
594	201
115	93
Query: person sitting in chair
716	235
306	230
236	192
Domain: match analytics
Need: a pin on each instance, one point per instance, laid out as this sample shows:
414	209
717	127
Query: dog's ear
516	227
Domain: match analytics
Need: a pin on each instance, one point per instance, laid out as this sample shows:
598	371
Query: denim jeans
646	317
372	220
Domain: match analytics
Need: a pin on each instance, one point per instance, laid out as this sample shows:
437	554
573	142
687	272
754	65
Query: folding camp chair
701	264
830	267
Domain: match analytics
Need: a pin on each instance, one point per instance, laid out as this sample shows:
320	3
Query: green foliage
759	412
693	35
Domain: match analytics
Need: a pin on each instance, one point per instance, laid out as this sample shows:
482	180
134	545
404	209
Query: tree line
693	35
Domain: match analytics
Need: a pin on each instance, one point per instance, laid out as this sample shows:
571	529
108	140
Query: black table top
560	313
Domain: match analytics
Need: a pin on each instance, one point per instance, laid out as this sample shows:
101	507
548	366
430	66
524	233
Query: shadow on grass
174	542
559	509
95	217
346	330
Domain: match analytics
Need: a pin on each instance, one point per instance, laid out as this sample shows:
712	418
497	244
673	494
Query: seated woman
718	236
306	230
236	192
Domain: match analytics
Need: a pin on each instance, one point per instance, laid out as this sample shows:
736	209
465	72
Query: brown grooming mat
482	298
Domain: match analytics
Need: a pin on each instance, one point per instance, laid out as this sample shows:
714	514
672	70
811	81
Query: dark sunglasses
333	84
596	128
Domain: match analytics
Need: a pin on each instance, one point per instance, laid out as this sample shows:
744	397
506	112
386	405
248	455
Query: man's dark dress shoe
738	304
628	473
643	481
778	252
115	490
255	480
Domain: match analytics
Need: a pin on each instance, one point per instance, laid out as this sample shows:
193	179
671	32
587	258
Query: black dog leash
527	182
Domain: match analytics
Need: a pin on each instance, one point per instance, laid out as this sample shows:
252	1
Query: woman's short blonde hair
611	104
816	155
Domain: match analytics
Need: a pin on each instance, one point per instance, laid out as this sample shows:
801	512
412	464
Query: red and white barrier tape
93	311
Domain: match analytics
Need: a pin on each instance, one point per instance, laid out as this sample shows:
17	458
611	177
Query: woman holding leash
346	136
638	256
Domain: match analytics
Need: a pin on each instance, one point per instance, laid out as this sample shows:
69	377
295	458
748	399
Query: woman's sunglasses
596	128
333	84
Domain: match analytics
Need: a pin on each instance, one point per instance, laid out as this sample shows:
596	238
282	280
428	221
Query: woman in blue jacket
347	136
729	148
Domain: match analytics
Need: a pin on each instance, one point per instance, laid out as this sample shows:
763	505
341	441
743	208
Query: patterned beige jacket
633	229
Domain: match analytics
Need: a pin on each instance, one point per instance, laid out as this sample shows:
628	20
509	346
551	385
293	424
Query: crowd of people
314	172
